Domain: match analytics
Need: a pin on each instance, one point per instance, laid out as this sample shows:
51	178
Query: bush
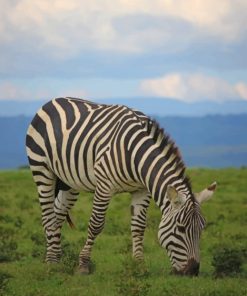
133	278
69	257
38	250
38	238
227	261
8	245
4	278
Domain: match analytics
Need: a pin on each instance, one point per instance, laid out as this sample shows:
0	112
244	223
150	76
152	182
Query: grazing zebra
74	145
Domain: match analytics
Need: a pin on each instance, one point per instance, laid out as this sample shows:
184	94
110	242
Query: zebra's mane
164	140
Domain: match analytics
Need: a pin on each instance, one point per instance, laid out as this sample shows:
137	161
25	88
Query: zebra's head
180	229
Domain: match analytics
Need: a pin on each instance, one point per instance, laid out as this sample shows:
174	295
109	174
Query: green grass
22	246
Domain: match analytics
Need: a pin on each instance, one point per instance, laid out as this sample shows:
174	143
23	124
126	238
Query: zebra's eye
181	228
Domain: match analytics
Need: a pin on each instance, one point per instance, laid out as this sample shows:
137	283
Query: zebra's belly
81	177
78	178
86	181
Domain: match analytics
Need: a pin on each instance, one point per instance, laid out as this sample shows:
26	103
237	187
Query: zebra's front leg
95	226
139	205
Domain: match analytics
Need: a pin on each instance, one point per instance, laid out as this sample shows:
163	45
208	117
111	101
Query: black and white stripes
75	145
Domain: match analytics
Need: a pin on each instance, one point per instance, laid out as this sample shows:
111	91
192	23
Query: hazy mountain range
160	107
209	141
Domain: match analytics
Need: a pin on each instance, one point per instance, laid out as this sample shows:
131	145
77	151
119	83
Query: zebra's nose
192	268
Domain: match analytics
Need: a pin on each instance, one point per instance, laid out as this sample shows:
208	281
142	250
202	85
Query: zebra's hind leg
54	213
95	226
46	184
139	205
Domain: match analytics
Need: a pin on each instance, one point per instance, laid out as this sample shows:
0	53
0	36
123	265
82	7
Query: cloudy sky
193	50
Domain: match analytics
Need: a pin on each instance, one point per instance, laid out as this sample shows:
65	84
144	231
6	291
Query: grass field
22	245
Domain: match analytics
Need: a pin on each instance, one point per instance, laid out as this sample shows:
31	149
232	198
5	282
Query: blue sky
193	50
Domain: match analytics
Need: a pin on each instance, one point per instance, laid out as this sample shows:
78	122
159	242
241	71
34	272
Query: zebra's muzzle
191	269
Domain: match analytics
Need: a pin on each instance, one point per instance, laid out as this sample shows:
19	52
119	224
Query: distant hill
12	141
210	141
158	106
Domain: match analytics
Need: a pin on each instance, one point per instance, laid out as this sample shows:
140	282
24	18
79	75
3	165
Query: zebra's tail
70	222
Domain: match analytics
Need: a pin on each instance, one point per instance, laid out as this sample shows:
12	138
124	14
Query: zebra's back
70	135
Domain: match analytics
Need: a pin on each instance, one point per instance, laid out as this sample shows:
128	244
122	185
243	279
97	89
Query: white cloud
11	91
223	18
242	90
193	88
67	27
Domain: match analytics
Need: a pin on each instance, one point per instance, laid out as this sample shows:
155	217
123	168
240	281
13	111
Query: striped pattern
179	233
75	145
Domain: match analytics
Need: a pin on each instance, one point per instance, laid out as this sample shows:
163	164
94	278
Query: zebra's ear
206	194
174	197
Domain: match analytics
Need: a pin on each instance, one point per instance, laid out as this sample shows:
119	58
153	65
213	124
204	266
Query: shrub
69	257
18	222
227	261
38	250
8	245
133	278
38	238
4	278
6	218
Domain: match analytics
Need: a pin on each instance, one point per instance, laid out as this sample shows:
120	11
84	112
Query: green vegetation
22	245
227	261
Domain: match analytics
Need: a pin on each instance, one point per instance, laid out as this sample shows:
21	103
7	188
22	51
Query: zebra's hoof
84	270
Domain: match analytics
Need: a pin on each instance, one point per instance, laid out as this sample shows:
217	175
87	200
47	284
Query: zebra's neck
159	164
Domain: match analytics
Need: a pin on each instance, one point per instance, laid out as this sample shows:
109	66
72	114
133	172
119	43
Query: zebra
75	145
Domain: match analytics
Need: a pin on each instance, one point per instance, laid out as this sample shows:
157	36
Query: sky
192	51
